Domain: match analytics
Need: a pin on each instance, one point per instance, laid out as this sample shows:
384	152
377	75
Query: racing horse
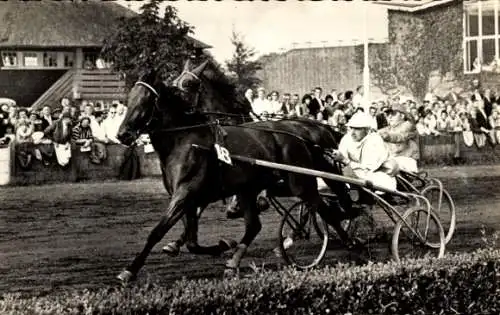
195	177
210	94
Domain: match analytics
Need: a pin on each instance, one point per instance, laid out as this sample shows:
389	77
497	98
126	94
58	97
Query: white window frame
480	37
60	64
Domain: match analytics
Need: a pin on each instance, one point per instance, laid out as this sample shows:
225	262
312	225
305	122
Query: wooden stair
61	88
99	85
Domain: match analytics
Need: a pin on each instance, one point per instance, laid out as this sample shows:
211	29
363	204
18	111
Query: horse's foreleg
176	210
252	228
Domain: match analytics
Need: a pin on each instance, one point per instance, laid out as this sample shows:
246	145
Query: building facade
50	50
435	46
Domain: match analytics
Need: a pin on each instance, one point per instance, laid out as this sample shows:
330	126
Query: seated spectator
98	129
338	119
454	122
12	119
442	122
495	124
88	111
421	128
382	118
414	113
111	125
430	122
24	131
36	121
400	137
82	134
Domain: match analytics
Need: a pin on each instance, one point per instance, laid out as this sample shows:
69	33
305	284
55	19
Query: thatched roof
48	23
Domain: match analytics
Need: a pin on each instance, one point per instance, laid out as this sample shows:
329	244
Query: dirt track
82	235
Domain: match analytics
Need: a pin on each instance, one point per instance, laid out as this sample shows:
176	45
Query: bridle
155	102
179	83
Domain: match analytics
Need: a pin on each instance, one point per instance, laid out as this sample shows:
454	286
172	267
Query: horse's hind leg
252	227
190	237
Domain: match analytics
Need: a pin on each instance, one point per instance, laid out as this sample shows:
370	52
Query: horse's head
207	89
151	105
189	82
141	102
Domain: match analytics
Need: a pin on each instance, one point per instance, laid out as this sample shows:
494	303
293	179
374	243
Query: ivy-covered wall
424	52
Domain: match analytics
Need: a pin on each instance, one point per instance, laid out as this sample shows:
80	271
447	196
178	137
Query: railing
99	85
61	88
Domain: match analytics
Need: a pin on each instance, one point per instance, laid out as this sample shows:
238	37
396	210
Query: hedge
457	284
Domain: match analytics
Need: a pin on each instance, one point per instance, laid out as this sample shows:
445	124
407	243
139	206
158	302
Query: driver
365	153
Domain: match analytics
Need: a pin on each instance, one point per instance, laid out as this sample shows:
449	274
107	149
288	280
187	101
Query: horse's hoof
126	276
230	273
226	245
171	249
231	264
277	252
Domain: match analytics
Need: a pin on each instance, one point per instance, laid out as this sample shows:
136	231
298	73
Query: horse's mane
225	90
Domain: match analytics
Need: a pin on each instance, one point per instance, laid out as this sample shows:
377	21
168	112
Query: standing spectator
46	118
359	100
261	105
306	102
316	105
477	128
287	108
275	105
296	106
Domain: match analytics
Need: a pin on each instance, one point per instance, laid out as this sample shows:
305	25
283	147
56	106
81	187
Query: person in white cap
366	153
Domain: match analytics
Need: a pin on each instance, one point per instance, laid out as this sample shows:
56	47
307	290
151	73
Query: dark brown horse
195	177
210	94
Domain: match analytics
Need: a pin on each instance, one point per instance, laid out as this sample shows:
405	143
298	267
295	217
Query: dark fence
434	150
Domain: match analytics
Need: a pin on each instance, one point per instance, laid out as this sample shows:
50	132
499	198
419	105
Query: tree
242	66
147	41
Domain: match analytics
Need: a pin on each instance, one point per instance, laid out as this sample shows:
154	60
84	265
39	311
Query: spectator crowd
476	116
89	122
91	127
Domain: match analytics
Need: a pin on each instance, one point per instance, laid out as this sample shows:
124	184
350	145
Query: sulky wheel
426	236
299	243
442	203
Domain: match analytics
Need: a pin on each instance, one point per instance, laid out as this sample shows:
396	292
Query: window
50	59
9	58
89	60
69	60
481	36
30	59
